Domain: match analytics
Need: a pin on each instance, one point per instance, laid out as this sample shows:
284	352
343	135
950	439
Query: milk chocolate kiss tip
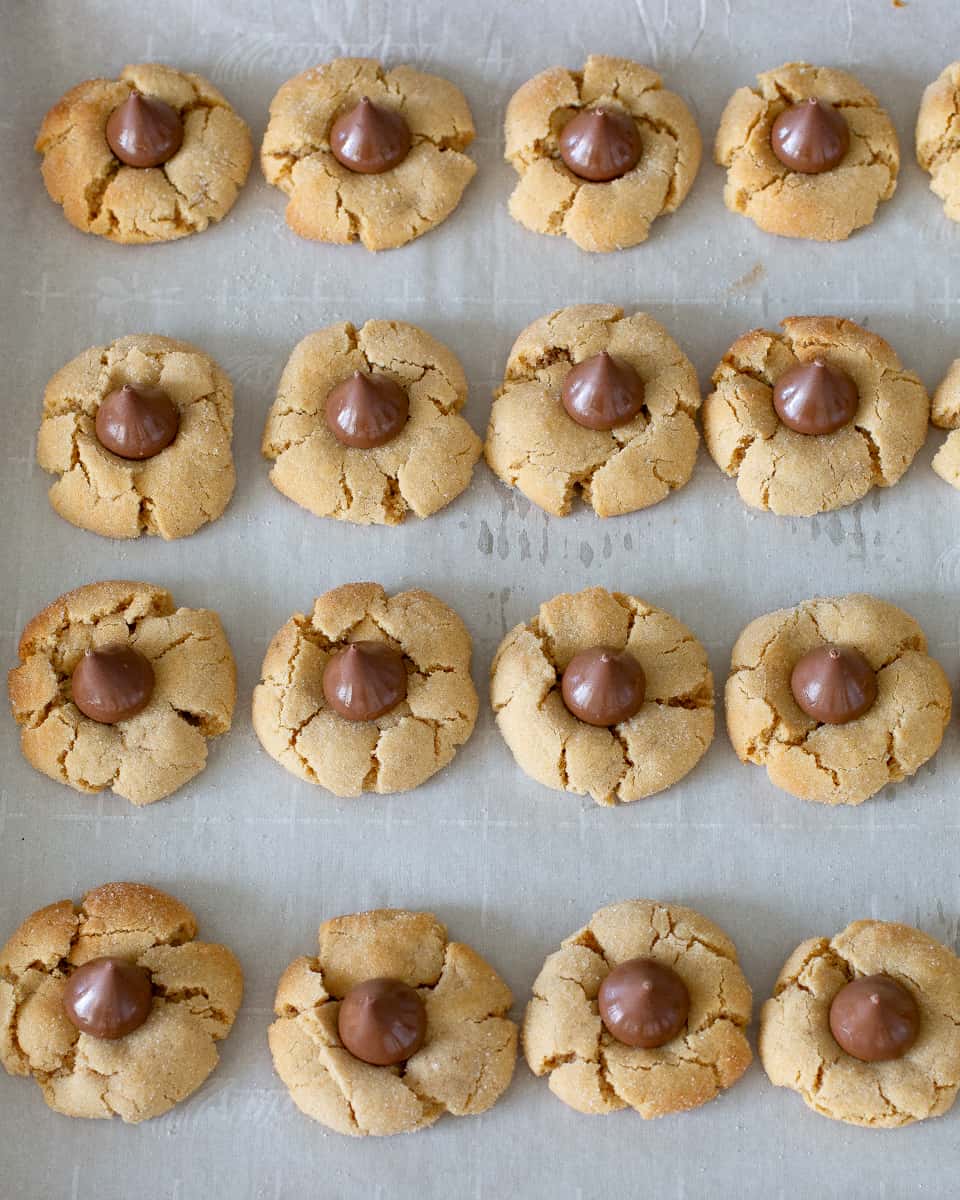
137	422
815	398
834	684
874	1018
600	144
108	997
112	683
810	137
364	680
603	686
369	138
144	131
602	392
382	1022
643	1003
367	410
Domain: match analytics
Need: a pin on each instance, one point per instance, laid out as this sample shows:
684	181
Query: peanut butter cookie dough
938	141
370	693
112	1006
909	988
631	438
789	698
837	153
377	454
578	714
946	414
139	432
368	154
152	156
857	417
117	688
643	1008
425	1018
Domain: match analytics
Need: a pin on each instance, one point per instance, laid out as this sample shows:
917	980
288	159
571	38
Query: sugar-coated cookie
945	413
938	150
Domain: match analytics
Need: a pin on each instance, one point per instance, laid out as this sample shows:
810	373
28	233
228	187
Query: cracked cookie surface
587	1068
428	464
836	764
945	413
532	444
330	203
150	755
197	988
938	138
794	474
641	756
827	207
798	1050
175	492
395	752
466	1061
101	195
549	198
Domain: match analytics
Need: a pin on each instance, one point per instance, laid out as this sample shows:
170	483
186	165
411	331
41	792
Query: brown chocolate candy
364	680
382	1022
834	684
144	132
602	392
367	410
874	1018
643	1003
810	137
600	144
370	139
137	421
112	683
108	997
603	686
815	398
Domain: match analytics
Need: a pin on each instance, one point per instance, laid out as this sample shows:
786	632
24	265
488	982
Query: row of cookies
364	153
599	693
115	1009
367	426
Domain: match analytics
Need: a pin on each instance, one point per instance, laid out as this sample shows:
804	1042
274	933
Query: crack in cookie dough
426	466
946	414
101	195
563	1036
938	138
197	991
825	207
836	764
330	203
798	1050
793	474
549	198
173	493
395	752
651	751
532	444
146	757
465	1063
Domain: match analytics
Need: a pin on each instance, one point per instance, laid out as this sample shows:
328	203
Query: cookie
448	1009
595	209
189	182
938	147
611	756
584	992
102	408
946	414
84	1062
301	723
429	457
798	1048
830	761
536	445
176	687
829	181
413	128
791	473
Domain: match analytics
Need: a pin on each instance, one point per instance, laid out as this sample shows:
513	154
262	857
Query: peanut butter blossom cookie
139	434
597	404
938	144
946	414
811	419
866	1025
392	1025
601	153
645	1008
366	426
117	688
369	693
604	695
809	153
112	1006
836	698
154	155
368	154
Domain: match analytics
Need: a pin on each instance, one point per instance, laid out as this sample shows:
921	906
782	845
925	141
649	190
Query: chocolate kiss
602	686
144	132
810	137
112	683
643	1003
137	422
602	392
370	139
382	1021
874	1018
364	680
108	997
815	398
367	410
600	144
834	684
